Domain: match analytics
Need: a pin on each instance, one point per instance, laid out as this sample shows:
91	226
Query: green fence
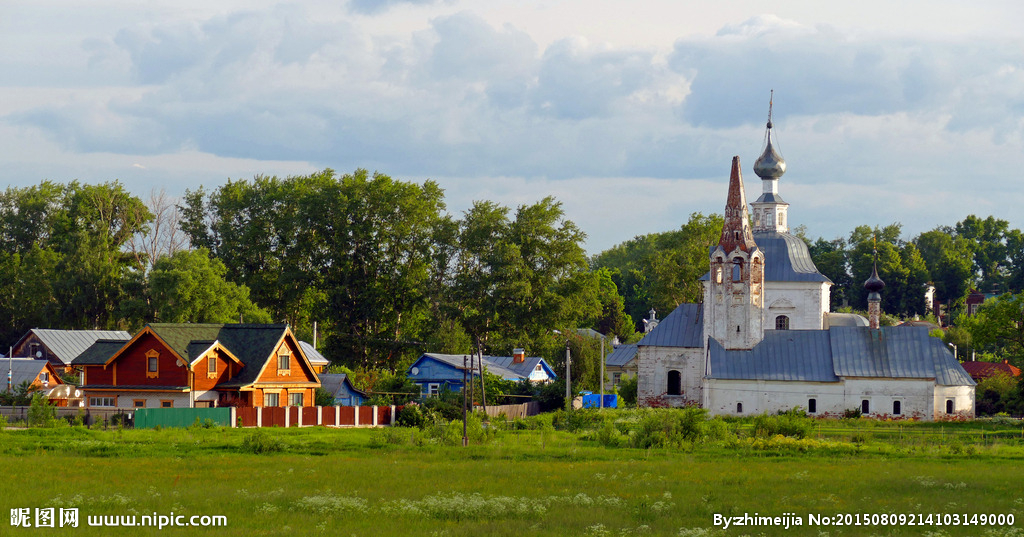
147	418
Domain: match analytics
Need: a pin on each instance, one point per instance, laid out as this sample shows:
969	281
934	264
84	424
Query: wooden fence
512	412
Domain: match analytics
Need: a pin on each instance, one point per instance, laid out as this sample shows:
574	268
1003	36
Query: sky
628	113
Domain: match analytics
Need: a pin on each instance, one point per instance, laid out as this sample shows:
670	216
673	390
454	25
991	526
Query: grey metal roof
771	198
25	370
496	365
786	259
897	352
684	327
313	355
333	382
622	355
99	352
841	351
845	319
801	355
68	344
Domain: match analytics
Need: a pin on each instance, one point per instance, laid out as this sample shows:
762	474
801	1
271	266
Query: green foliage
410	416
998	394
190	287
677	428
260	442
323	397
40	412
794	423
392	389
21	395
661	270
998	327
627	390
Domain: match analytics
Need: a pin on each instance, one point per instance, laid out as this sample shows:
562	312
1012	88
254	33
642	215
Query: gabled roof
26	370
984	370
622	355
684	327
501	366
333	382
68	344
842	351
313	355
100	352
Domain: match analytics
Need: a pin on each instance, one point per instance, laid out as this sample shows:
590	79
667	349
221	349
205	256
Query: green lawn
532	482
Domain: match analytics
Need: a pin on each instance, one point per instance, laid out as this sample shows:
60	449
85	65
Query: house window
782	322
539	368
284	360
737	270
739	408
949	406
897	408
295	399
270	399
152	364
433	388
166	403
211	364
102	401
865	407
616	378
139	403
718	274
44	377
812	405
675	383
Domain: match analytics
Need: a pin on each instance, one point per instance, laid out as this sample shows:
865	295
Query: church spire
874	286
736	231
770	210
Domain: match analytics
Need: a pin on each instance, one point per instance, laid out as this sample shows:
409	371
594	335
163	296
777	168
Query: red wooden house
199	365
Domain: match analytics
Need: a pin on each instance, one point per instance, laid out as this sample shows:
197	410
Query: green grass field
521	482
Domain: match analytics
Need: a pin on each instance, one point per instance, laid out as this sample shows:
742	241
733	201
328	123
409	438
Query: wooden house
341	388
61	347
316	359
200	365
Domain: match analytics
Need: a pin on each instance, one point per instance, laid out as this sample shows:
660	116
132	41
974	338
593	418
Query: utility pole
472	381
601	405
568	378
483	387
465	439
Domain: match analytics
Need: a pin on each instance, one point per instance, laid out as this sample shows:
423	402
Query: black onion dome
874	283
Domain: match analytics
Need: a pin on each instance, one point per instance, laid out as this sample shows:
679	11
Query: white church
764	339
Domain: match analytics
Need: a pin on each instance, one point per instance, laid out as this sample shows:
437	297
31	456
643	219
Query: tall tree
988	237
998	327
949	262
189	287
831	259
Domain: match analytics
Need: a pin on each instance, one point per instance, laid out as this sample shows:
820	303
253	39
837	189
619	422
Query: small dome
769	165
874	283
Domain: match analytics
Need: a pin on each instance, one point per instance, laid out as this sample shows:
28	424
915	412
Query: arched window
739	408
675	383
897	408
865	407
812	405
949	406
769	219
718	274
737	270
782	322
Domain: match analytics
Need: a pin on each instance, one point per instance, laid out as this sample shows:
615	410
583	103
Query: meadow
560	474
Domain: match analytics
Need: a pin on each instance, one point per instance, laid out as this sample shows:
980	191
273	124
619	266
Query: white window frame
301	399
433	389
102	402
267	398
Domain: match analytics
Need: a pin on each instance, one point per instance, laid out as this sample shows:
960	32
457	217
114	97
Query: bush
40	413
260	443
323	397
677	427
852	413
410	416
793	423
3	422
627	390
576	420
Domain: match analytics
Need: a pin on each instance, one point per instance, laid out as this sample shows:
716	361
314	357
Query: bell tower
733	295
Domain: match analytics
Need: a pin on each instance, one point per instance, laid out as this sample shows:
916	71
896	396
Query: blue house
435	372
341	388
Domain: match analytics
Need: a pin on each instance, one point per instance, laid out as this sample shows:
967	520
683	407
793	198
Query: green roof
99	352
253	344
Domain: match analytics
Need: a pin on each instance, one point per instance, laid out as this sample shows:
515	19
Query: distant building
436	372
61	347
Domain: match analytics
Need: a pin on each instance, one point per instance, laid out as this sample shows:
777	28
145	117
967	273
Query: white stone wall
963	402
919	398
805	303
153	399
653	366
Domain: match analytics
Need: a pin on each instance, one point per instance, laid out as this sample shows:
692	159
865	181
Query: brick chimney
518	356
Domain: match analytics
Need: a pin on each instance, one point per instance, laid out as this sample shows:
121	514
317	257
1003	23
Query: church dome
770	165
874	284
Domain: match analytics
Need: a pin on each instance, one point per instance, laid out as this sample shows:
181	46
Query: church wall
805	303
963	402
918	398
653	367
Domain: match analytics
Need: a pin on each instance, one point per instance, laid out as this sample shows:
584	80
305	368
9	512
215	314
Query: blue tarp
593	400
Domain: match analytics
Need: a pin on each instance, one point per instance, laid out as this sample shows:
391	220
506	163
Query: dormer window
284	362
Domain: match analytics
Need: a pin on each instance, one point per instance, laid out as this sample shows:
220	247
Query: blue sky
627	112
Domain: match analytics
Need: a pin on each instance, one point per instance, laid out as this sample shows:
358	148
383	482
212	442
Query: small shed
339	386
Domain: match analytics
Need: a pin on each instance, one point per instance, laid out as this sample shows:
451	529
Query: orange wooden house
199	365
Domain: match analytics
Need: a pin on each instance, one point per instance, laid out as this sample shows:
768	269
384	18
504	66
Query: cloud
376	7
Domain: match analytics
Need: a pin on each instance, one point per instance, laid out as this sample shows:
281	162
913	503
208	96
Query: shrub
3	422
40	413
627	390
677	427
793	423
259	443
410	416
852	413
577	420
323	397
